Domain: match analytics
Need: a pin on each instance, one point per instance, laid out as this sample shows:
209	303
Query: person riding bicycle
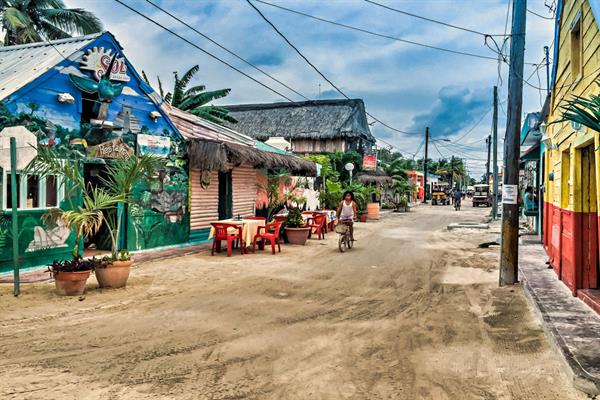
347	211
457	197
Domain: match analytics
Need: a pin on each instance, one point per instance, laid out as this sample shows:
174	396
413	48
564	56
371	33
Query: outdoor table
249	228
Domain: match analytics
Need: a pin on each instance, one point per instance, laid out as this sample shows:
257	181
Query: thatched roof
374	177
209	155
315	119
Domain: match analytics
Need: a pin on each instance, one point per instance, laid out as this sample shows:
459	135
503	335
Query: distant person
457	195
530	204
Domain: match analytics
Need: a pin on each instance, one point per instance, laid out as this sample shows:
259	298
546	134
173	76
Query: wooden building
315	126
571	159
226	169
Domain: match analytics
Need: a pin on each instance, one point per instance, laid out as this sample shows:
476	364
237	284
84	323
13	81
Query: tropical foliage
195	99
28	21
585	111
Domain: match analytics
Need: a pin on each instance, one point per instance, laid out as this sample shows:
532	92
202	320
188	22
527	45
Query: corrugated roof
194	127
21	64
314	119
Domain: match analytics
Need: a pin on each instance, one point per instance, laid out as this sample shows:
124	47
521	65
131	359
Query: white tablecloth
249	228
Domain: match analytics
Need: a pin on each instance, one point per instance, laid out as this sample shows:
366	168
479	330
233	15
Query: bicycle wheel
349	242
342	243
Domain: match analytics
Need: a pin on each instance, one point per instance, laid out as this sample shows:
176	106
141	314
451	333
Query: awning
531	154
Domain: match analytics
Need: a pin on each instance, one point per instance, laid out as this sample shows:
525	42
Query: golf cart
482	195
439	195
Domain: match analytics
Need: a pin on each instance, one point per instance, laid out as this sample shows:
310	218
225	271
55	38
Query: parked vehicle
439	194
482	195
470	191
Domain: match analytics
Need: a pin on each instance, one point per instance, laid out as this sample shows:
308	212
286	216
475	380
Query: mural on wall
49	237
53	109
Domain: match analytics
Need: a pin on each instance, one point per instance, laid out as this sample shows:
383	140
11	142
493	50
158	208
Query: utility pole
547	69
425	165
495	155
509	254
488	142
452	173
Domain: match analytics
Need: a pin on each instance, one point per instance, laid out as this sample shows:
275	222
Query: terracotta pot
70	283
363	217
297	235
115	275
373	210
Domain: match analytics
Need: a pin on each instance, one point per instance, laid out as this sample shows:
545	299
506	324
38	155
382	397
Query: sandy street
413	312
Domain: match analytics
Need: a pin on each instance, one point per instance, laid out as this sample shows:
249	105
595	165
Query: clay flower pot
114	275
363	217
297	235
70	283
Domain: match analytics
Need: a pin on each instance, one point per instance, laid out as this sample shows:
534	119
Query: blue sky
406	86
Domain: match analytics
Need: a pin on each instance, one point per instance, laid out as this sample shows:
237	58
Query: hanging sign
370	162
510	194
97	60
112	149
159	146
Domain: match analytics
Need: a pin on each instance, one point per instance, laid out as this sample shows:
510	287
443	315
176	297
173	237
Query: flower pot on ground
295	229
363	217
70	276
297	235
114	273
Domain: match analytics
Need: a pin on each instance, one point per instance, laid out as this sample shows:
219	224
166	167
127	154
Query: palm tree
195	99
28	21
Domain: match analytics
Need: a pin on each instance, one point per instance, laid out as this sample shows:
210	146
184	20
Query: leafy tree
28	21
195	99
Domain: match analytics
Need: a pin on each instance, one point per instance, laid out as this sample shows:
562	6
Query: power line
474	126
375	33
227	50
202	50
317	70
537	15
432	20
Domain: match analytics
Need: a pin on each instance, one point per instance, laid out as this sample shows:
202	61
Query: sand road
413	312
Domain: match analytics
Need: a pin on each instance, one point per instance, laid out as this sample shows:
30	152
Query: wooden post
546	51
509	254
495	155
425	164
14	216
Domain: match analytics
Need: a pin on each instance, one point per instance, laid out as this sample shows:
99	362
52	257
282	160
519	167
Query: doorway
589	221
225	195
98	242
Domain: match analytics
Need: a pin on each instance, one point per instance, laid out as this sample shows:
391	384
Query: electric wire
376	33
538	15
431	20
226	49
202	50
316	69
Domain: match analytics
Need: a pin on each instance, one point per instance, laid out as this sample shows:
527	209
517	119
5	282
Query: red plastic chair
223	231
279	218
317	222
272	237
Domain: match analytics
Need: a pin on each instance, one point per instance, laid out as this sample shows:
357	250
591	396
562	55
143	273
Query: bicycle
345	240
457	205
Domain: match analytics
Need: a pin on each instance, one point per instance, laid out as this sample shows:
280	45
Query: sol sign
97	60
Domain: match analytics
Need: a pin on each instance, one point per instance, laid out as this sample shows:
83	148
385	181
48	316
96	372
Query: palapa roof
212	147
374	177
313	119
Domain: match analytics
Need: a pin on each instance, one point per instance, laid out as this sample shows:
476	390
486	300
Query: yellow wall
564	191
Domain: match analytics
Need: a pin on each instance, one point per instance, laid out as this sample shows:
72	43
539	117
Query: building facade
62	94
571	160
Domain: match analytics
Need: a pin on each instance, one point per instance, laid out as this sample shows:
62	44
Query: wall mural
122	111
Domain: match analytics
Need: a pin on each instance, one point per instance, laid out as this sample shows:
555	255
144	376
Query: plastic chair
317	222
279	218
223	232
272	237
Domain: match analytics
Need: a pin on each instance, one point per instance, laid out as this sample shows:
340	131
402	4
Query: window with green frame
33	191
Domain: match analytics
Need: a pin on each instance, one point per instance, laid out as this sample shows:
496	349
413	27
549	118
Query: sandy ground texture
412	312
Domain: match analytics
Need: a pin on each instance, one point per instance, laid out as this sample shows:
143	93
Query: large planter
70	283
373	210
297	235
114	275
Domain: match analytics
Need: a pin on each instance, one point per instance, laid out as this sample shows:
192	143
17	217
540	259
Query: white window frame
60	195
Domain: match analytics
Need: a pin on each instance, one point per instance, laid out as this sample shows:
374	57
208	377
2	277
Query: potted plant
122	175
70	276
295	229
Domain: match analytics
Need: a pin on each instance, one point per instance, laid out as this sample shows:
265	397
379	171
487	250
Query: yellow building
570	163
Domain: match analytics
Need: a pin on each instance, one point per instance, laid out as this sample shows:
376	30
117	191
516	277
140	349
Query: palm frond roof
313	119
